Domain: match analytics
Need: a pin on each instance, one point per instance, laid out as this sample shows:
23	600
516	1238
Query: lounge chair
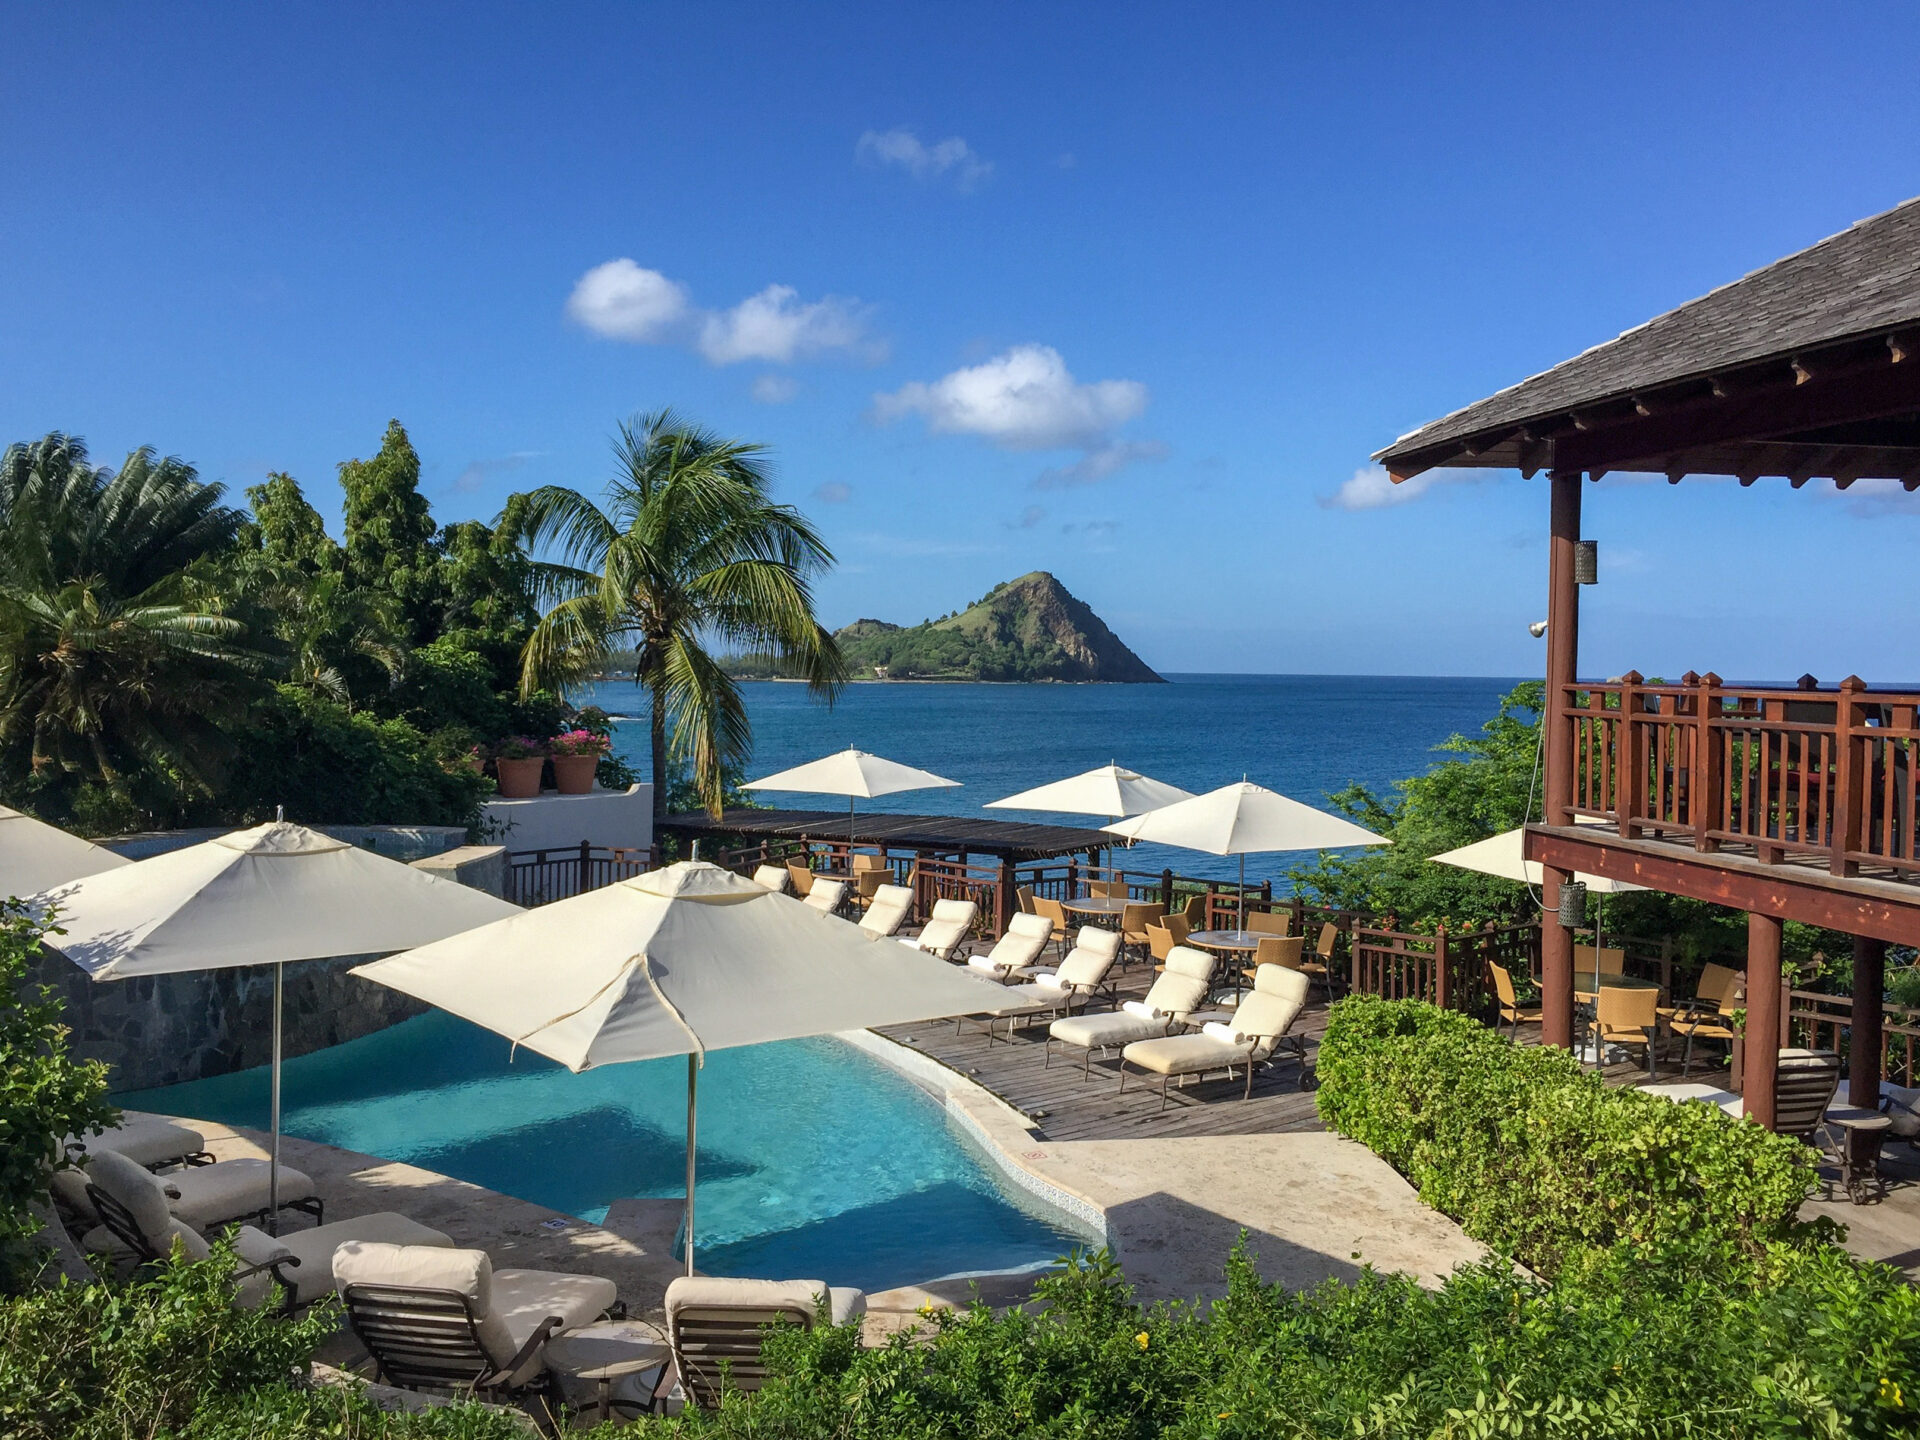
1258	1028
202	1197
774	877
946	927
445	1319
1082	974
149	1140
1623	1016
826	895
1804	1084
1176	994
1512	1013
888	912
714	1327
1019	948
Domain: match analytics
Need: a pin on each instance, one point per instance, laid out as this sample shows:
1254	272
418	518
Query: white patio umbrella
36	856
1111	791
1244	819
267	896
854	774
680	961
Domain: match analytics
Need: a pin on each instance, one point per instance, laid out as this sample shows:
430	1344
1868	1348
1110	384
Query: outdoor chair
1021	946
1173	996
1114	889
1083	974
1805	1084
1023	899
1056	915
774	877
152	1141
1708	991
1285	951
434	1318
1714	1024
1162	938
714	1327
1257	1030
1623	1016
1194	912
201	1197
801	874
870	872
1270	922
946	927
826	895
1512	1013
1320	967
1612	961
888	912
1134	921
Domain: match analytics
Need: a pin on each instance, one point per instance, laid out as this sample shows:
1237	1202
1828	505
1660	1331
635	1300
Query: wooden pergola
1794	802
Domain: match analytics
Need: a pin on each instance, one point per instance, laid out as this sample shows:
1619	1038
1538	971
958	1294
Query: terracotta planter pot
519	779
573	774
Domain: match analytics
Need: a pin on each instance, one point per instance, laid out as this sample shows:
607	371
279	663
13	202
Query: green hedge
1535	1155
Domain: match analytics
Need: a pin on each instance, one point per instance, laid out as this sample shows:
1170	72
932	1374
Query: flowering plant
578	742
519	747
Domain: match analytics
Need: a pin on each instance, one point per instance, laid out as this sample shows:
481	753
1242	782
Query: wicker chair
1512	1013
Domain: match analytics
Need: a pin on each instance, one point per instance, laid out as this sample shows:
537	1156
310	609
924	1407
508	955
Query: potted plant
576	754
517	762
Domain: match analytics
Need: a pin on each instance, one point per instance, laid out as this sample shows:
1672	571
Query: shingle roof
1860	282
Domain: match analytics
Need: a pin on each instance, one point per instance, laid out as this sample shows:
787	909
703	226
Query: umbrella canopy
852	773
1500	855
272	894
36	856
678	962
1112	791
1244	819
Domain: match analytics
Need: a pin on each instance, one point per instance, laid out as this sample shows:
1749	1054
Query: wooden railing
538	877
1825	1022
1448	970
1787	772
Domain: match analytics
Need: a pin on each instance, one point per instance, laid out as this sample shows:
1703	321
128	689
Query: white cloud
1370	489
833	492
1096	465
776	325
479	472
775	389
905	150
1025	399
626	301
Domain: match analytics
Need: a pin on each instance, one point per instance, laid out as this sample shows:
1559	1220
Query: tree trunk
657	741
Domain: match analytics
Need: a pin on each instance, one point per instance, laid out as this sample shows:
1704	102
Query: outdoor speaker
1573	904
1586	562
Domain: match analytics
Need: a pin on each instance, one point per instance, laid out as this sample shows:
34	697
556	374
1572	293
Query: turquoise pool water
815	1161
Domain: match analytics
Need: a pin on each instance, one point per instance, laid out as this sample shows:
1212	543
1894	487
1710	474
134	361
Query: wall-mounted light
1537	629
1573	904
1586	562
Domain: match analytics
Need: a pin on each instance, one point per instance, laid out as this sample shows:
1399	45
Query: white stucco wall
622	818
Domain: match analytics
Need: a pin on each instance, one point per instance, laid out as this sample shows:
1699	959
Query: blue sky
1128	293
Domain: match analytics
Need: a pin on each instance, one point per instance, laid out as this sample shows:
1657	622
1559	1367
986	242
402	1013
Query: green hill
1027	629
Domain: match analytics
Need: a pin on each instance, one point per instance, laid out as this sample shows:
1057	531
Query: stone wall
164	1029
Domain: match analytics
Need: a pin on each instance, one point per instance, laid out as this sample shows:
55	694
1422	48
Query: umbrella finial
279	814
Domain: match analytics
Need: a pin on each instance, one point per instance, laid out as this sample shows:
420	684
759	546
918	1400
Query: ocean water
815	1162
1303	735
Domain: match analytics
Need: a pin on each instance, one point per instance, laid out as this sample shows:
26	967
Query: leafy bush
45	1093
1536	1156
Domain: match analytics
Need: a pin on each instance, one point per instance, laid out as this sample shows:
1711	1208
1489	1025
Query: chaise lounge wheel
1309	1079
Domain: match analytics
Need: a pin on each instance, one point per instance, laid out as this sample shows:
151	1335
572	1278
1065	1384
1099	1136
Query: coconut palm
114	655
684	552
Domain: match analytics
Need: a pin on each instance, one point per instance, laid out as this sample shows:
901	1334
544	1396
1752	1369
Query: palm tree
114	654
687	551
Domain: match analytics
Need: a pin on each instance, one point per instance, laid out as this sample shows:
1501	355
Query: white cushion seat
314	1248
1026	936
713	1325
1257	1027
888	911
208	1195
523	1298
1174	995
774	877
946	927
147	1140
826	895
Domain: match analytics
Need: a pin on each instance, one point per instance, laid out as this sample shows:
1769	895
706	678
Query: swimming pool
816	1161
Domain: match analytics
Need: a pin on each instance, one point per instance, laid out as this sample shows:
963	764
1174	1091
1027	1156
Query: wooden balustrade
1442	968
1824	1022
539	877
1783	772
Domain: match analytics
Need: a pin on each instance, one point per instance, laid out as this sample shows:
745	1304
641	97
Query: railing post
1847	822
1003	899
1073	877
1709	775
586	866
1629	759
1166	890
1442	985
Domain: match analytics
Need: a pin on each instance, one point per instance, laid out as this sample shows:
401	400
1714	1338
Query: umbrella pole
1243	892
273	1165
850	804
693	1090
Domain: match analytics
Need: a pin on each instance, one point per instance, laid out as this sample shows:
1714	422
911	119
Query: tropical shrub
1535	1155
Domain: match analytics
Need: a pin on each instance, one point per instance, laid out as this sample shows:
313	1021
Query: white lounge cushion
207	1195
1903	1107
427	1267
946	927
69	1187
826	895
1026	936
1100	1032
146	1140
888	912
774	877
136	1188
772	1300
1185	1054
102	1241
314	1248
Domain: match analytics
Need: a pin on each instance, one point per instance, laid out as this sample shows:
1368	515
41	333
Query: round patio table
1097	907
597	1358
1229	941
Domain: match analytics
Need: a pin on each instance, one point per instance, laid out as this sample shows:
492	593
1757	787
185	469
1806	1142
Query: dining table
1097	907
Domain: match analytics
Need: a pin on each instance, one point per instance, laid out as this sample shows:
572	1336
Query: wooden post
1003	906
1073	877
1442	989
1629	759
1166	889
1847	822
1762	1049
1563	650
586	866
1709	773
1865	1053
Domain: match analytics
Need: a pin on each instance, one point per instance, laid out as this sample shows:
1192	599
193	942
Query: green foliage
390	532
286	531
330	765
689	549
1535	1155
45	1093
